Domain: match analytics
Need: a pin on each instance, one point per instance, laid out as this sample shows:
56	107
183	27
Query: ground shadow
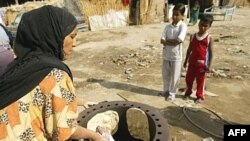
203	118
125	87
129	87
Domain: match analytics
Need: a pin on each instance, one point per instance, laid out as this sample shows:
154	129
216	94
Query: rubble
227	72
134	59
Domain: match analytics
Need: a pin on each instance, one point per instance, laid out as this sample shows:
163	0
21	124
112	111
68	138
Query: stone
108	120
224	68
217	40
208	139
222	75
138	127
238	77
128	71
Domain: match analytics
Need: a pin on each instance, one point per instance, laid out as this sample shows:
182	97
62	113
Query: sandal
198	100
163	94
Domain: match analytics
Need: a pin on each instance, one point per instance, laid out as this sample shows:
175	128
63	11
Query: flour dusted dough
108	119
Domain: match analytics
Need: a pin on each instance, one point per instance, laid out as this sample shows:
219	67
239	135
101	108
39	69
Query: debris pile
134	61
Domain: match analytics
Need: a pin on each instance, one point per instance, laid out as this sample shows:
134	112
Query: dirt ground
125	64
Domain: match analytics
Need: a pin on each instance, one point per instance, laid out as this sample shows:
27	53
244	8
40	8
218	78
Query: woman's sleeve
61	107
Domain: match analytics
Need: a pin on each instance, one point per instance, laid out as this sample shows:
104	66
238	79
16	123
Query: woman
37	97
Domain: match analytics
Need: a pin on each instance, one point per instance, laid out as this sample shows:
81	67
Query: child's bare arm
210	51
187	53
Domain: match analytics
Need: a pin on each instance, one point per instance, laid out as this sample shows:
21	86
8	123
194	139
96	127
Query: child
172	39
199	56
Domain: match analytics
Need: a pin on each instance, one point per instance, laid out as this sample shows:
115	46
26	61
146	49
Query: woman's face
68	43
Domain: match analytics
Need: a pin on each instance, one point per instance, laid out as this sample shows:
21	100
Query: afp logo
236	132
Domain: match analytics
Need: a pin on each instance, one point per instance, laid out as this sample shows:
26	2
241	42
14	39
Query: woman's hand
97	137
105	133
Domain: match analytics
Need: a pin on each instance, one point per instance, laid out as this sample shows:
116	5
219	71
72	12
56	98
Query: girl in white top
172	39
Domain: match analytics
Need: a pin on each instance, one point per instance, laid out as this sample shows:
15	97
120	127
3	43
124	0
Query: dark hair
208	18
180	7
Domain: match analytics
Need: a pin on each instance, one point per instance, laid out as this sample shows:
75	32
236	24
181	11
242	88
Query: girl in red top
199	56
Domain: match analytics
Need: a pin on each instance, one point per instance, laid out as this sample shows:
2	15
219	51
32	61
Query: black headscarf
39	49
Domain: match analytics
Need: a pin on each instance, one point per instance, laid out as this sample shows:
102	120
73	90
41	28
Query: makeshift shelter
104	14
132	12
150	10
12	11
145	11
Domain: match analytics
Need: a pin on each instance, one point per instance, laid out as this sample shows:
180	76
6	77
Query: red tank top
199	50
